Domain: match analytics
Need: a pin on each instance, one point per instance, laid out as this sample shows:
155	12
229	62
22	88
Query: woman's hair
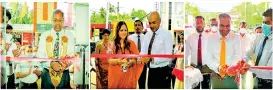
105	31
117	38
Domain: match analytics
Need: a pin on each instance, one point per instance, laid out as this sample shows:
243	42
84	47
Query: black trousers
205	83
159	78
29	86
142	78
264	83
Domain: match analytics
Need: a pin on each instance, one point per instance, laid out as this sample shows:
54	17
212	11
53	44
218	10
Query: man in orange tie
223	51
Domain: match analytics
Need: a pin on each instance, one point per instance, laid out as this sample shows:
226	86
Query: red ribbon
135	55
262	67
7	58
179	74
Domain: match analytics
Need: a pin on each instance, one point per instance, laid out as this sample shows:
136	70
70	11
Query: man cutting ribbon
56	44
223	51
262	51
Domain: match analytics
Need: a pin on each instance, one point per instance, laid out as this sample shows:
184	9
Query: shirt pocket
158	46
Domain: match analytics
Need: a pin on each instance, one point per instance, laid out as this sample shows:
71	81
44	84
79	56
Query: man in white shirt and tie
262	51
223	51
195	51
56	43
157	41
138	37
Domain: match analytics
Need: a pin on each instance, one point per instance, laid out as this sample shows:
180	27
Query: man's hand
37	72
7	46
191	67
222	70
232	70
16	52
243	67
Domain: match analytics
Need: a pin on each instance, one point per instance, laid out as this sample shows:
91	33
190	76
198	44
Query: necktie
56	47
260	51
138	43
223	53
150	47
260	54
199	51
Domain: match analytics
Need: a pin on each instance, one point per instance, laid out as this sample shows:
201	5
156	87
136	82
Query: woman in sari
178	84
124	72
104	47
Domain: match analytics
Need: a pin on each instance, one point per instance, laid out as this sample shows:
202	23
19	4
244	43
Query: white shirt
191	51
10	50
245	43
134	37
8	37
266	58
24	67
42	43
162	44
233	50
42	52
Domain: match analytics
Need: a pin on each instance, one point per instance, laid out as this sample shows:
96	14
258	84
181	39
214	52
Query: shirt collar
158	31
54	32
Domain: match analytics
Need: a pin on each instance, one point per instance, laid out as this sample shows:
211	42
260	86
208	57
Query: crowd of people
224	56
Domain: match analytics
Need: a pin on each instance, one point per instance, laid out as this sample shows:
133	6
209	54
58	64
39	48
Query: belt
264	80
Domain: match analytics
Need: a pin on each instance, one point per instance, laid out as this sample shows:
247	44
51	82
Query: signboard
44	27
27	38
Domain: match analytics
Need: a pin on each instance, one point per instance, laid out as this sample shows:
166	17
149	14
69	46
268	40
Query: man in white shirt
11	43
138	37
27	72
262	51
195	51
245	38
6	16
213	26
56	43
157	41
223	51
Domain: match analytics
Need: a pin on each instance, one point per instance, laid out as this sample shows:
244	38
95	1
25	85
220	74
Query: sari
119	79
102	67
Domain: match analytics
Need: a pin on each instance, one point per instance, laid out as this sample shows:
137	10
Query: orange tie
223	54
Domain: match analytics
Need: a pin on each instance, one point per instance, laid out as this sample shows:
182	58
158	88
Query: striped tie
56	47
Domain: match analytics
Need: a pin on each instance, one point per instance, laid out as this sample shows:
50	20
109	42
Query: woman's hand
145	59
132	62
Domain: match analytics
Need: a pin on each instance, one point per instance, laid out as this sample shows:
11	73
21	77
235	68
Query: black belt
264	80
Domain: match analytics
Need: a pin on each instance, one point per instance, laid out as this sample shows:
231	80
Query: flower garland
49	46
